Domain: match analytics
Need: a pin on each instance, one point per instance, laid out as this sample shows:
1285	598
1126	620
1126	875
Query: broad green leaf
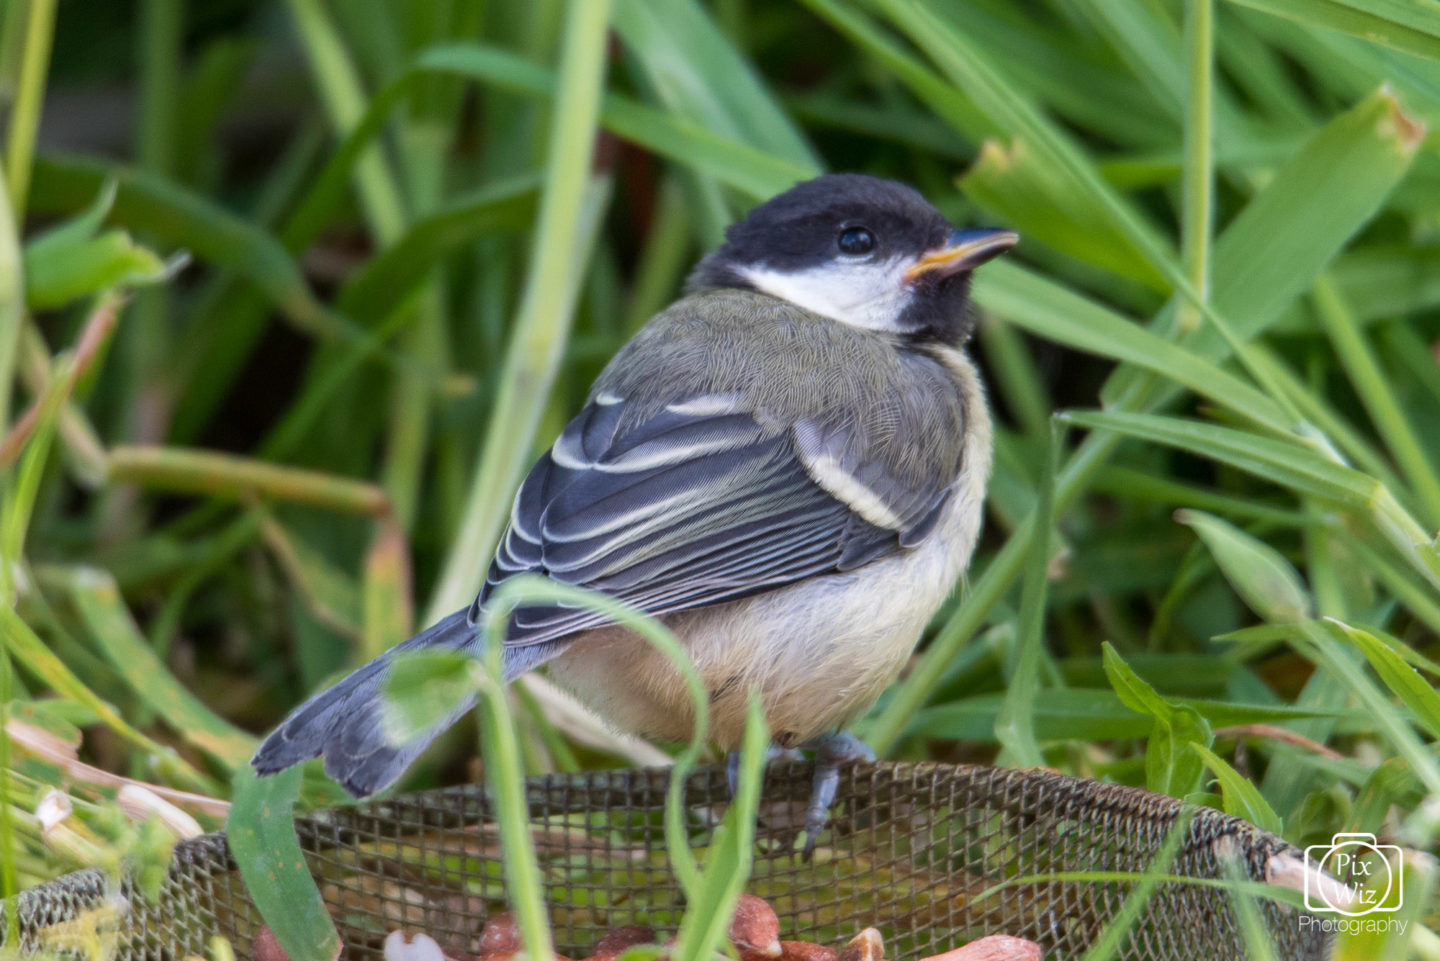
79	228
116	635
261	834
1259	573
1242	798
1381	281
111	260
1274	248
1403	680
74	261
1134	692
1409	25
1012	185
1170	767
423	689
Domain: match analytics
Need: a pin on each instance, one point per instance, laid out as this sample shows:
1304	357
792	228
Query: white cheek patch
868	295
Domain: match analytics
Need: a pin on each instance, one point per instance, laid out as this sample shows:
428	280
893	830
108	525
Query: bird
786	467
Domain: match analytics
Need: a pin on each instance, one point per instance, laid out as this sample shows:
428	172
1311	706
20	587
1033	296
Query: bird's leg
732	763
832	752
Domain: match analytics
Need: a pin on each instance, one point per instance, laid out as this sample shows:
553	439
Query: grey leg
832	752
732	772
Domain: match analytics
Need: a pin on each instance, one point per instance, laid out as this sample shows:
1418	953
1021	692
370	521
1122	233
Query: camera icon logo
1354	876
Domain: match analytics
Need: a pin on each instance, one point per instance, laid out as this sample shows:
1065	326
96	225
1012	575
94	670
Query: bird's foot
832	752
732	763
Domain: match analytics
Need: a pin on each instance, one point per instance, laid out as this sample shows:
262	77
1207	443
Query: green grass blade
1411	26
1048	310
261	833
119	639
1336	658
390	277
1015	726
699	75
1259	945
340	89
1288	464
1403	680
28	650
1280	242
1082	714
1377	394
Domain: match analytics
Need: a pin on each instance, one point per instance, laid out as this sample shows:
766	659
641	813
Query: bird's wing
700	503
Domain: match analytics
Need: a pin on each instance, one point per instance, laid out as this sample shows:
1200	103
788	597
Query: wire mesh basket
911	849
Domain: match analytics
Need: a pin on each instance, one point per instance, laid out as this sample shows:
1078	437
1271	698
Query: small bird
786	467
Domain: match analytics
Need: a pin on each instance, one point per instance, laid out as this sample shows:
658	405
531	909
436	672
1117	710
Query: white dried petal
53	808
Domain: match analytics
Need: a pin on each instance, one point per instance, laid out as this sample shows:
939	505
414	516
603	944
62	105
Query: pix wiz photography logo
1354	876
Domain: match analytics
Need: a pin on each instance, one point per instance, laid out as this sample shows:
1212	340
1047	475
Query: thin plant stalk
25	111
12	310
543	321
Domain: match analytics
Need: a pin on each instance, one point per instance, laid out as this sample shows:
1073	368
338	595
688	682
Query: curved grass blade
119	639
1412	27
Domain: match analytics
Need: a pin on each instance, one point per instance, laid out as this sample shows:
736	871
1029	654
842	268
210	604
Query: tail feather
346	722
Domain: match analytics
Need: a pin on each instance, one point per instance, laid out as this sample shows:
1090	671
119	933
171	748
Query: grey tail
345	722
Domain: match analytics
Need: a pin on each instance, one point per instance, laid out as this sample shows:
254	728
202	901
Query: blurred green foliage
415	231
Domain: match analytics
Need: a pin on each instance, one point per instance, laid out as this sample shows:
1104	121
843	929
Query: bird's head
864	251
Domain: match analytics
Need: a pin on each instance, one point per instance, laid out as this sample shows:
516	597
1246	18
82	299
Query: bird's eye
855	241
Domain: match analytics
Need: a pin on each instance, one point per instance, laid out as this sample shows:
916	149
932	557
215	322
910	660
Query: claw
772	753
832	752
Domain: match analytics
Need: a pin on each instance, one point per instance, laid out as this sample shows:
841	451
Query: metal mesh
910	849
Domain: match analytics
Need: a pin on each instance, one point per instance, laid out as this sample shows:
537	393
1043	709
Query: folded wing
697	504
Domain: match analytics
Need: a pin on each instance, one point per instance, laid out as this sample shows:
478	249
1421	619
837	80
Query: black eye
855	241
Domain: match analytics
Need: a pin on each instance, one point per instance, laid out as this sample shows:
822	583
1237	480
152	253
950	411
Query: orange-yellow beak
966	250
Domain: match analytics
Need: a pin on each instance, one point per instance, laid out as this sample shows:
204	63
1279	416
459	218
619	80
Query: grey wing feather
693	506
